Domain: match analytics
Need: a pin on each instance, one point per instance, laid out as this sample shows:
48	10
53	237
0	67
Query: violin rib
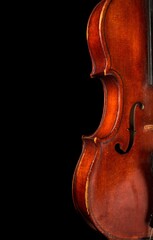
112	184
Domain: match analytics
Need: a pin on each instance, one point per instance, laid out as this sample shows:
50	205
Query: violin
112	186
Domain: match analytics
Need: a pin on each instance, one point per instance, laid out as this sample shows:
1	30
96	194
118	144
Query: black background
53	102
79	113
72	107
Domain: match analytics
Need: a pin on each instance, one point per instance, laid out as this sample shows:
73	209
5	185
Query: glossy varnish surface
112	182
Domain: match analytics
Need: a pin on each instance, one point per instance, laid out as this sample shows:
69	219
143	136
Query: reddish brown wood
113	191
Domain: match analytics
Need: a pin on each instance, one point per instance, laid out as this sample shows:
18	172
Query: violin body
112	184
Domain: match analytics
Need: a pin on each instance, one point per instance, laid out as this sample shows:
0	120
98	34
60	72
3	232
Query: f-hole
131	129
